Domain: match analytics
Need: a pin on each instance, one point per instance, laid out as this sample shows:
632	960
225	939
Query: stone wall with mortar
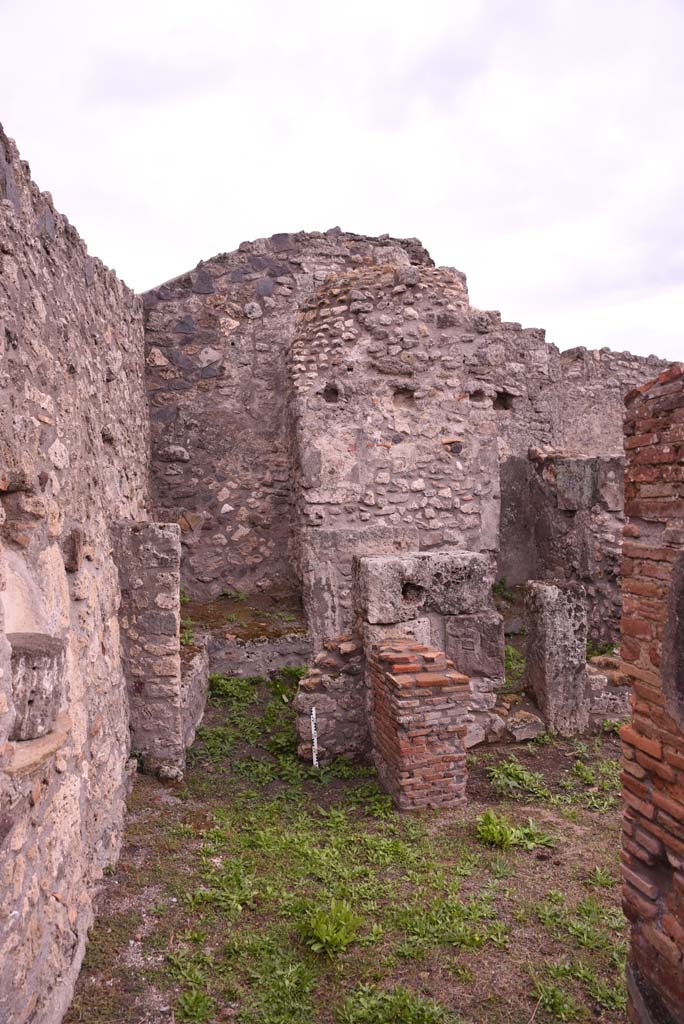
590	397
562	519
165	703
652	652
259	359
217	340
392	452
335	686
73	456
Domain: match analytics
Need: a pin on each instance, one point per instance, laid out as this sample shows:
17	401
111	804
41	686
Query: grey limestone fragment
404	587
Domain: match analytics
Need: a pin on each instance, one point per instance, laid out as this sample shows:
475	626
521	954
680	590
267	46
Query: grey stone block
556	654
475	643
404	587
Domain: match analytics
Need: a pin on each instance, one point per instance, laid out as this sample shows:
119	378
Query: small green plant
495	830
601	878
331	929
187	634
514	665
195	1006
233	594
512	779
184	597
612	725
371	1005
554	1001
584	773
501	590
238	690
600	648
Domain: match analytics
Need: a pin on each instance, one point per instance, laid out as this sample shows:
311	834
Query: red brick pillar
653	658
418	709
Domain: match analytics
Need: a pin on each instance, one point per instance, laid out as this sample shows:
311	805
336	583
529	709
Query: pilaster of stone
148	559
557	654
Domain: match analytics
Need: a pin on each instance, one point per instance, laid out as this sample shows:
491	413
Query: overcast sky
537	145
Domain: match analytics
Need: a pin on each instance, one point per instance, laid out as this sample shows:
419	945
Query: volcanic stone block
326	571
399	588
556	654
475	644
37	683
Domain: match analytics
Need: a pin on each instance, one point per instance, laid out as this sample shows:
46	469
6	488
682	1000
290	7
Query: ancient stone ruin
322	416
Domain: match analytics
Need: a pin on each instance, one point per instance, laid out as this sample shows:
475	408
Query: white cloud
537	146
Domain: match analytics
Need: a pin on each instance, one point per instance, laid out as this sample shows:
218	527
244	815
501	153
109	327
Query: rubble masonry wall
73	456
217	340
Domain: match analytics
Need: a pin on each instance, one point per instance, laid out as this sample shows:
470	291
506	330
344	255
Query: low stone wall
653	659
418	709
259	657
336	688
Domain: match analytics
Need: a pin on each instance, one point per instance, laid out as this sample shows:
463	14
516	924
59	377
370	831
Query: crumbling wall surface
652	658
258	657
194	689
564	407
217	340
418	706
393	453
73	454
148	557
335	687
590	397
576	508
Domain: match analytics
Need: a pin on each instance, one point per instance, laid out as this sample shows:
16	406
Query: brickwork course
418	708
653	660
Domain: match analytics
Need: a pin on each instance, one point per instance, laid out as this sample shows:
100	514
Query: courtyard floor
263	891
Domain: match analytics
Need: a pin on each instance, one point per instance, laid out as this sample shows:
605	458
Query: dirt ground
263	890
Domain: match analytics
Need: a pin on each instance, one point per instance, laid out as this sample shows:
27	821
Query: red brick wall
418	708
653	658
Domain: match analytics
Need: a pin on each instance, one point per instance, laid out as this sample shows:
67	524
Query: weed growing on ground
371	1005
277	893
494	829
330	929
511	779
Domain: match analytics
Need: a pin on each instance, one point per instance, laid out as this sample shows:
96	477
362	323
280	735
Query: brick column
653	658
418	709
